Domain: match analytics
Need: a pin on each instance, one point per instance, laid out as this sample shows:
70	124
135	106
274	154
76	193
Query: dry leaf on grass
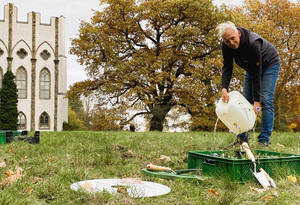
213	192
257	189
13	176
87	187
165	158
4	184
267	198
292	178
29	191
121	189
2	164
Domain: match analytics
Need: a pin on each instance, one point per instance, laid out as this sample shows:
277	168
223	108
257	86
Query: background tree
77	119
150	56
8	103
75	102
74	123
103	119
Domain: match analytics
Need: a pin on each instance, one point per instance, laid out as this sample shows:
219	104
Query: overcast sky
74	11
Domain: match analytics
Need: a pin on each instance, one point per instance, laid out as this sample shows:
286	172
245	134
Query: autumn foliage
151	55
144	58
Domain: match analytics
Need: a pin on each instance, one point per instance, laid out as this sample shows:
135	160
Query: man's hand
256	107
225	96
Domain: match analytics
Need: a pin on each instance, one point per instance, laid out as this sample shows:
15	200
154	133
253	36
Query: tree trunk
159	113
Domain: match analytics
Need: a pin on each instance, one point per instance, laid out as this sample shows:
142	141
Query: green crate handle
210	162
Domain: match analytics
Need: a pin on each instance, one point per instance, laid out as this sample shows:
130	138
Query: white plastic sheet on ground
134	187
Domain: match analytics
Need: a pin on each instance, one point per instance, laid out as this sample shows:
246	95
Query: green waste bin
3	135
2	138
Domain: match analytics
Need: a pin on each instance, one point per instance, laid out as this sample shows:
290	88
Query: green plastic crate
241	170
2	138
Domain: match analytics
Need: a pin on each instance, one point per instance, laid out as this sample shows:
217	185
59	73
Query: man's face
232	38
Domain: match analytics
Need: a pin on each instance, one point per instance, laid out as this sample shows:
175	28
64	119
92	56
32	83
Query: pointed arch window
21	121
45	84
21	81
44	121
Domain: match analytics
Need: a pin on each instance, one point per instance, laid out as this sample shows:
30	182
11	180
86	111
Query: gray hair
222	27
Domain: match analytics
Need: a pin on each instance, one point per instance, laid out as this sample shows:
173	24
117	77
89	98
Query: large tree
8	103
151	55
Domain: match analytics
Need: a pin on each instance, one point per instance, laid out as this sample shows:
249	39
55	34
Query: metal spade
262	177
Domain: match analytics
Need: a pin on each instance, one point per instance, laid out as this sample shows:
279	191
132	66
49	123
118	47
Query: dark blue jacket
254	54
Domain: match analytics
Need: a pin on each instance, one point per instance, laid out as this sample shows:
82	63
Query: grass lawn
63	158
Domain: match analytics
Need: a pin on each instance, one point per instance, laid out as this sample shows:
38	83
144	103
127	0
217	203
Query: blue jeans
268	83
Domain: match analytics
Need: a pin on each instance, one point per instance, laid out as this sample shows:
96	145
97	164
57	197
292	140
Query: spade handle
248	151
153	167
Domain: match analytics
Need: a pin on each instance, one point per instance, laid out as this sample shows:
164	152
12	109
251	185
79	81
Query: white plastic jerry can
238	114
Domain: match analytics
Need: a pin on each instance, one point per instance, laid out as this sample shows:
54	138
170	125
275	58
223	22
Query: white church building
35	53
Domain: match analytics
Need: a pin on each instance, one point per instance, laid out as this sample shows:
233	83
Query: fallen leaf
292	178
29	191
121	189
4	184
213	192
267	198
13	176
87	187
165	158
2	164
257	189
8	173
